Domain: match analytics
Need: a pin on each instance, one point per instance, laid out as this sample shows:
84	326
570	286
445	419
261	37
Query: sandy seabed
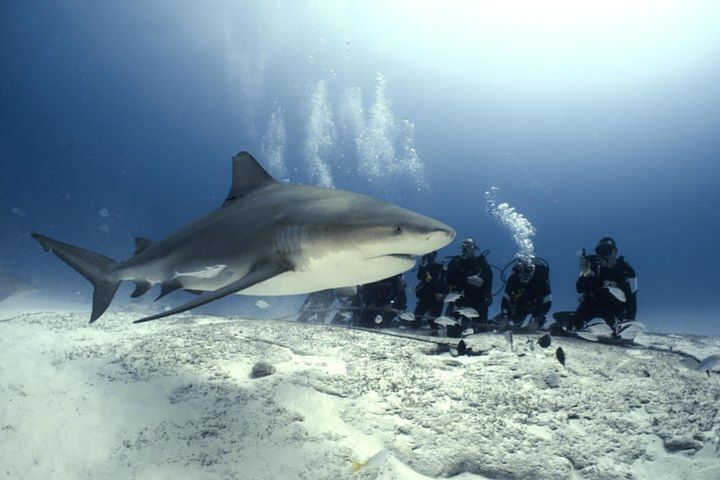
175	399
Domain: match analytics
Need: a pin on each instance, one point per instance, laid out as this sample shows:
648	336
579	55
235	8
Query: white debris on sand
262	304
177	399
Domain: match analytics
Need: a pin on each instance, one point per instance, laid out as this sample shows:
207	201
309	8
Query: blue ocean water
119	120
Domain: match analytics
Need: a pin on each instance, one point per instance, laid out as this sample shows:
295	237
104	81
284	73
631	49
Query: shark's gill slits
290	239
382	231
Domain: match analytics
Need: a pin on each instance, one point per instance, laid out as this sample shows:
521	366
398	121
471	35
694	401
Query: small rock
262	369
552	380
453	363
680	443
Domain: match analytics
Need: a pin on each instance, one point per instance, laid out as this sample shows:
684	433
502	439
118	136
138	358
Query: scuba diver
316	304
470	276
383	298
349	303
430	290
607	286
527	292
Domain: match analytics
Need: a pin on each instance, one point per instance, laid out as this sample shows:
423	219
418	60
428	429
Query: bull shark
267	238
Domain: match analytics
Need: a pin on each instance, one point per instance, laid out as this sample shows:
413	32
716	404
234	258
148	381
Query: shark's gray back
265	217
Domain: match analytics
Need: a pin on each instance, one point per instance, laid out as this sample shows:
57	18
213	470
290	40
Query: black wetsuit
596	300
528	298
478	298
431	283
379	297
349	305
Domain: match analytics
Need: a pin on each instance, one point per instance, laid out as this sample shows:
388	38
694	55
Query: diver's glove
439	296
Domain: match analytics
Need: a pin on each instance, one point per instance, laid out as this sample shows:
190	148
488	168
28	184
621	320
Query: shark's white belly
331	271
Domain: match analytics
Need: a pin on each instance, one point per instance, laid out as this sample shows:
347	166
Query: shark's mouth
398	256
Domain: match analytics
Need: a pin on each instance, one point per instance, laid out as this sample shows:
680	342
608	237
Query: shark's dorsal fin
247	176
141	244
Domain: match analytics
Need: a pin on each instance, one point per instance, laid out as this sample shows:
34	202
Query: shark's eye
398	230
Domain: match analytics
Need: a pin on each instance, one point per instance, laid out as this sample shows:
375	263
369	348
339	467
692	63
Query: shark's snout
440	237
445	232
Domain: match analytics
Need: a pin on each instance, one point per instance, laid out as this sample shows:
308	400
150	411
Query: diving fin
617	293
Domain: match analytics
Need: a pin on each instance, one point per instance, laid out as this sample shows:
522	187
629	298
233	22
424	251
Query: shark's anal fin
259	273
141	244
247	176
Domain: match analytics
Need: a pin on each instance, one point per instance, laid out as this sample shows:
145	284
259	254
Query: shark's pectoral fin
259	273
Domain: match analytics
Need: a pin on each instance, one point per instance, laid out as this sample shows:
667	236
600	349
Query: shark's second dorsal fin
141	244
247	176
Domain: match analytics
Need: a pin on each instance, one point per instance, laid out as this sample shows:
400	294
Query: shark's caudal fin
98	269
